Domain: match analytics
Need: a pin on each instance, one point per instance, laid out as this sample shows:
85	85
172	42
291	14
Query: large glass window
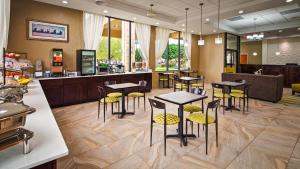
183	54
175	50
102	52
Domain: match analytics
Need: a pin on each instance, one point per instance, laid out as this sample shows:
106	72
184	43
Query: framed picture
41	30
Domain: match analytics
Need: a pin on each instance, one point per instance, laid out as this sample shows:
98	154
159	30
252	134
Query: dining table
180	98
230	85
121	87
187	80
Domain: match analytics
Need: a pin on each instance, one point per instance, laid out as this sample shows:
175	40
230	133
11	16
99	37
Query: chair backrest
157	104
198	91
217	86
143	85
101	92
213	104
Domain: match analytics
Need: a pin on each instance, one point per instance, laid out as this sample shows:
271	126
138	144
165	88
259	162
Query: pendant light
218	40
201	41
277	53
186	27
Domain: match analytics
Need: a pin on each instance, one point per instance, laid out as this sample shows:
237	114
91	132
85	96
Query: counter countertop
47	143
108	74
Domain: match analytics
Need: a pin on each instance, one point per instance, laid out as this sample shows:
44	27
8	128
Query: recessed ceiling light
207	19
288	1
183	29
105	11
192	31
280	31
214	31
298	29
65	2
157	23
134	18
183	25
241	11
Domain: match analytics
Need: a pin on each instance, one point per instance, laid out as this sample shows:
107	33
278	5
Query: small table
168	74
230	85
188	80
122	87
181	98
187	72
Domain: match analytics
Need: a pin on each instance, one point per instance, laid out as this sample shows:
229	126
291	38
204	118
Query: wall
21	10
211	63
195	52
288	47
250	47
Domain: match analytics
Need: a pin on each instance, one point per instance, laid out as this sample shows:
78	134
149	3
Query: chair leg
138	102
165	139
223	106
234	101
112	108
127	102
186	128
98	109
104	107
206	137
119	106
217	134
244	105
134	104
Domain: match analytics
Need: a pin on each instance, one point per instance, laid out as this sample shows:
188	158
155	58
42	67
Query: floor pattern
266	137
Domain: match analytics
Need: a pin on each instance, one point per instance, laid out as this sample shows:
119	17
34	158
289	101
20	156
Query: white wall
288	47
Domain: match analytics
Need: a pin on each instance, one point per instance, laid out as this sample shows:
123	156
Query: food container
12	119
12	94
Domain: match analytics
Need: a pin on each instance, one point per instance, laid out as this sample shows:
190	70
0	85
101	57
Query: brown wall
250	47
195	52
211	63
21	10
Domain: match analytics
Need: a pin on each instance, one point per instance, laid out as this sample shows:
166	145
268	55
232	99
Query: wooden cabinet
68	91
53	90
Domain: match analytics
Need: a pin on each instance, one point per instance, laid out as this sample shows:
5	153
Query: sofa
263	87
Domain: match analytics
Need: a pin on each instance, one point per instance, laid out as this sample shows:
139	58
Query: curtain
143	36
92	30
188	48
4	24
162	39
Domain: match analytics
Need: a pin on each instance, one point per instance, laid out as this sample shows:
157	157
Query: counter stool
140	93
206	119
105	100
162	119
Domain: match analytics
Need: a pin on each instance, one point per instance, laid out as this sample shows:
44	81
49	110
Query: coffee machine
57	62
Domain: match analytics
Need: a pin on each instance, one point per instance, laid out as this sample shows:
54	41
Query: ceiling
270	14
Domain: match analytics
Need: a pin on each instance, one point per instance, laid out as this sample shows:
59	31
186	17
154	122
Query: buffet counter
63	91
47	143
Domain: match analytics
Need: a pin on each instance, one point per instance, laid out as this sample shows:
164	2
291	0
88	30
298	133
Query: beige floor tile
296	152
294	163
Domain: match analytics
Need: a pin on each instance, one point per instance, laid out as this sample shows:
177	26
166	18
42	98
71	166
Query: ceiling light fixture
255	36
288	1
218	40
280	31
241	11
192	31
183	25
157	23
134	18
150	13
254	53
201	41
298	29
186	28
105	11
65	2
207	19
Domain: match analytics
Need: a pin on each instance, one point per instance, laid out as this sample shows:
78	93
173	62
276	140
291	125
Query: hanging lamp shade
186	43
201	41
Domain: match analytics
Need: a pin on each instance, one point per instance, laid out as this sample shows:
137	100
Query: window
170	59
183	55
102	52
115	44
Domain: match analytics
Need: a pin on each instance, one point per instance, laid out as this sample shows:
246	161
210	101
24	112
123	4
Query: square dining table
122	88
181	98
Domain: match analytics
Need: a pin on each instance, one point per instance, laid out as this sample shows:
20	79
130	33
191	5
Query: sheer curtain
92	30
4	24
188	48
143	36
162	39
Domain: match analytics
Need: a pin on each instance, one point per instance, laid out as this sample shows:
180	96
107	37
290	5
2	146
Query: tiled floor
266	137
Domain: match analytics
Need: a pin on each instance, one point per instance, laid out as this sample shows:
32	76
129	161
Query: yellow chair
162	79
140	93
105	100
219	93
162	119
113	94
178	85
295	88
205	119
199	83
